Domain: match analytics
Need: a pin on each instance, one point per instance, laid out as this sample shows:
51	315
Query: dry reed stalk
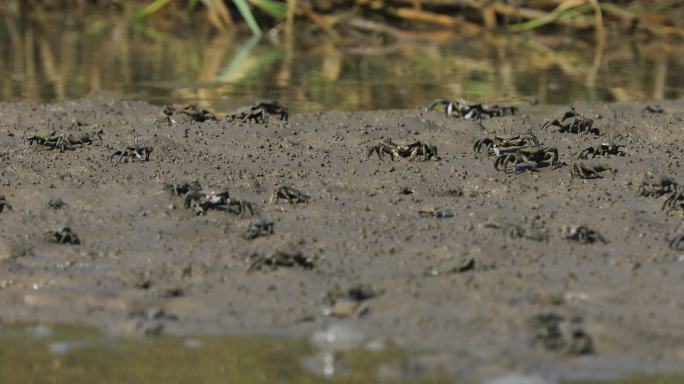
414	14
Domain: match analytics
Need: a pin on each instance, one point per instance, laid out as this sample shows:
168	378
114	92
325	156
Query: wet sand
460	287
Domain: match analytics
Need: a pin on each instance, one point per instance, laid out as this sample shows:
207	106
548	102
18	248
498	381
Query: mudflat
449	255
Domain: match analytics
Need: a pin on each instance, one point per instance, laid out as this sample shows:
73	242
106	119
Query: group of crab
257	112
79	137
526	150
517	150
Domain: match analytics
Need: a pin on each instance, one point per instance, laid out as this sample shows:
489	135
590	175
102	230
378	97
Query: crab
183	188
573	122
657	185
4	204
56	203
272	107
677	243
290	194
654	108
201	202
528	232
536	155
186	113
83	138
436	213
498	142
257	112
258	229
52	140
62	236
582	234
386	147
416	150
556	334
589	170
247	114
47	138
280	259
135	152
468	110
604	149
675	202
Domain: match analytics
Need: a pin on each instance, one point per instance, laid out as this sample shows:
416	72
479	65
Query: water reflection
49	58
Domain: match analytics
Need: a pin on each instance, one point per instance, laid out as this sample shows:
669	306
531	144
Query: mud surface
461	286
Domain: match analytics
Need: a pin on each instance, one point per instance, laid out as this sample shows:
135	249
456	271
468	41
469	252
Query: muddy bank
494	285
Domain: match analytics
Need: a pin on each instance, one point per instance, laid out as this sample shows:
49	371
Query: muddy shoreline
148	265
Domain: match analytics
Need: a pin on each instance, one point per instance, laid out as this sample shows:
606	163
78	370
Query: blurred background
354	55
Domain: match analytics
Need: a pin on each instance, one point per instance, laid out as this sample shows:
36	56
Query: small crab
258	229
535	155
386	147
201	202
272	107
186	113
582	234
135	152
421	150
468	110
499	142
528	232
436	213
604	149
247	114
280	259
290	194
56	203
589	170
47	138
657	185
675	202
4	204
573	122
677	243
182	188
62	236
654	108
460	108
556	334
416	150
83	137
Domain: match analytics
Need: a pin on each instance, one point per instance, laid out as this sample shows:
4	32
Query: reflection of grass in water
63	61
217	12
245	67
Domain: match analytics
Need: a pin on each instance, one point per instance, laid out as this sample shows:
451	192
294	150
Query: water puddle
338	354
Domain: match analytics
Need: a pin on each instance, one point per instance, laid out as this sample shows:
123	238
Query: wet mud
488	270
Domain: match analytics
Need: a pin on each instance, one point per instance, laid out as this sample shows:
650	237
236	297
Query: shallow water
71	354
68	354
46	57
